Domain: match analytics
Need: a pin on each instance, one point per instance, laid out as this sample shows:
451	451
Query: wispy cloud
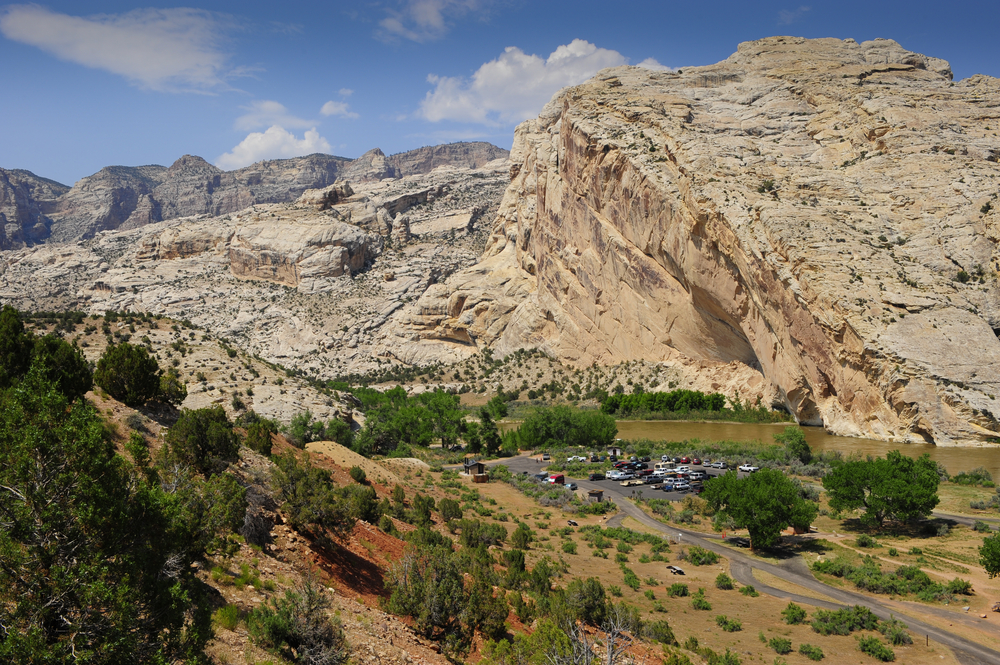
425	20
275	143
158	49
516	85
265	113
789	16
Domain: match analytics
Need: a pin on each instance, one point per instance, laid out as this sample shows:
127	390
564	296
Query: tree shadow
353	571
790	547
918	528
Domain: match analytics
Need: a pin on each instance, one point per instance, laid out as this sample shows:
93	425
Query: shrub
621	558
227	617
677	590
893	551
724	582
866	541
203	438
624	547
357	474
895	632
615	590
748	590
811	652
793	614
521	537
872	646
699	602
780	645
916	551
981	526
631	579
727	624
844	621
259	436
128	373
648	593
699	556
298	627
569	547
660	631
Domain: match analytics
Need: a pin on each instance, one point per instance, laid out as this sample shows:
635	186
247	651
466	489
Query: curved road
794	570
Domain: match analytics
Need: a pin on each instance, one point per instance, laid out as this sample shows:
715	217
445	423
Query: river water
953	459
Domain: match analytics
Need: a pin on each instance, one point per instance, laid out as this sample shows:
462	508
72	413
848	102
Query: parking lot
613	489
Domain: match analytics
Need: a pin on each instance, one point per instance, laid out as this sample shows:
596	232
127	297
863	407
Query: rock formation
130	197
822	211
25	200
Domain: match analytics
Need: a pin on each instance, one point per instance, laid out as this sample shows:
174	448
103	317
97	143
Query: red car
685	460
696	462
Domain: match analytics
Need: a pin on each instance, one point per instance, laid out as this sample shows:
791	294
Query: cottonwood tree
764	503
897	488
989	555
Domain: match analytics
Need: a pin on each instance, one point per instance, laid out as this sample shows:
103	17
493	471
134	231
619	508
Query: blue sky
88	84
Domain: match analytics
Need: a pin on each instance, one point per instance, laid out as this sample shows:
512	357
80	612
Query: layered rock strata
821	211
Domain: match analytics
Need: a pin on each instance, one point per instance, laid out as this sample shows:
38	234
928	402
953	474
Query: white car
719	465
576	458
683	469
682	486
748	468
613	474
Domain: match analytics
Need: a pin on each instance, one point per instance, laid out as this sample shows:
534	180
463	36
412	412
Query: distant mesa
34	210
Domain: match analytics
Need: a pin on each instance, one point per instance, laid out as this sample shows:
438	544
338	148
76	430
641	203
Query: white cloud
516	85
651	63
425	20
159	49
338	108
789	16
345	92
266	113
275	143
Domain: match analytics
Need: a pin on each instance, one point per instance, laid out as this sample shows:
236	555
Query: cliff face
820	211
34	210
24	201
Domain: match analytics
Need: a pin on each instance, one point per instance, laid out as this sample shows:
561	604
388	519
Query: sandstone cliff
821	211
25	200
34	210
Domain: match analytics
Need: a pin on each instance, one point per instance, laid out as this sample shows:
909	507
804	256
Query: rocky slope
822	212
310	284
34	210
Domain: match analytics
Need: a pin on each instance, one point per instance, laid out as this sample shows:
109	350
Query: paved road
793	570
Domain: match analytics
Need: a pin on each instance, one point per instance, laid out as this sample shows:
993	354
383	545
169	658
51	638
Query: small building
615	451
474	468
595	496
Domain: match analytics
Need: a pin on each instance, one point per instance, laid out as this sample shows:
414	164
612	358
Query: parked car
557	479
541	476
665	458
546	457
682	486
698	475
706	462
614	474
675	460
685	460
571	486
643	473
576	458
595	458
720	465
596	476
696	462
633	458
626	475
683	469
612	458
645	459
748	468
667	486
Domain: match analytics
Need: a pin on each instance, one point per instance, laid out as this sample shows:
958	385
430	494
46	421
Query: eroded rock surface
805	208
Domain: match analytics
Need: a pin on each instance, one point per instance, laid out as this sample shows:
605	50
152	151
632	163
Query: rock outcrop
25	200
128	197
822	211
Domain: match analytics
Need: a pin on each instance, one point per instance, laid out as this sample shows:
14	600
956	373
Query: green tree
497	407
450	509
203	438
764	503
15	347
300	628
488	432
172	389
339	431
428	585
128	373
521	537
587	600
794	441
989	555
310	499
894	488
259	436
95	557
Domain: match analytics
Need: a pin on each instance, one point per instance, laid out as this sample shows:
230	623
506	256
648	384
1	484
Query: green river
953	459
